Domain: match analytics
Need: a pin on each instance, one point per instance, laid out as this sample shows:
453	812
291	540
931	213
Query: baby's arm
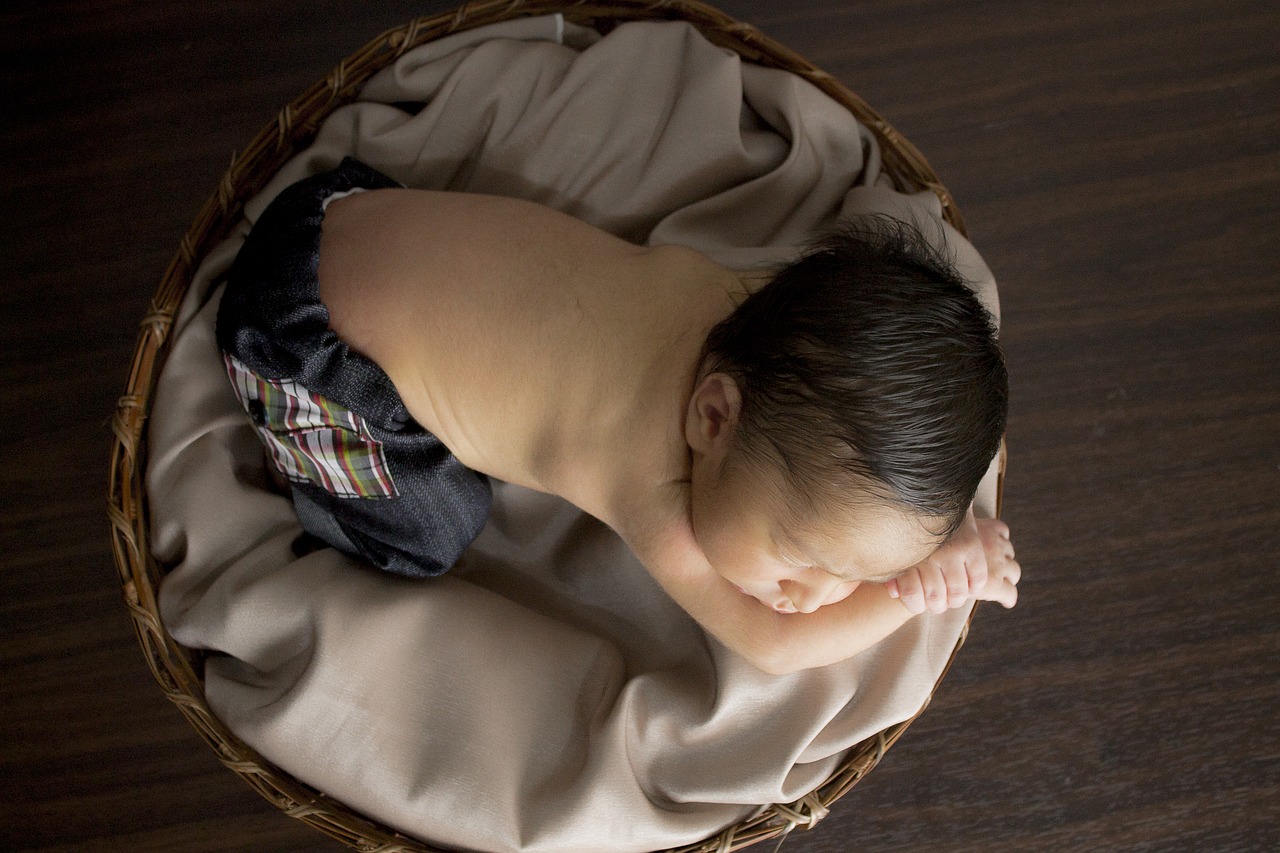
782	643
776	643
779	643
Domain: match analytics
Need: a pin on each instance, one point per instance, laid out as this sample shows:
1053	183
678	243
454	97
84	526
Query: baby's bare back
540	350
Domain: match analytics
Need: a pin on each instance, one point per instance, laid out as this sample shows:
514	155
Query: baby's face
737	523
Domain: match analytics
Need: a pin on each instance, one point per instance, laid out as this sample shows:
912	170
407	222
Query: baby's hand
976	563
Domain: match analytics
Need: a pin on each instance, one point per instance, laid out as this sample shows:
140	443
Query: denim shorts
366	478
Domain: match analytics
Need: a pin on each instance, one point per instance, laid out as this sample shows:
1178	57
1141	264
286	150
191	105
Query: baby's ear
713	413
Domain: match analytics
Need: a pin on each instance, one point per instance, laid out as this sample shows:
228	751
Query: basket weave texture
178	669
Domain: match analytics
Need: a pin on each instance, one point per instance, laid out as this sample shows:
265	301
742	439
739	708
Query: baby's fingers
965	576
935	585
1003	593
995	536
1003	588
977	570
908	588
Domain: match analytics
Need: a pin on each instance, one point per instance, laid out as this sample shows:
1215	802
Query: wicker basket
178	669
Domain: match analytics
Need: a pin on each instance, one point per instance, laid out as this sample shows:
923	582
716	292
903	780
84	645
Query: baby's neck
628	457
632	445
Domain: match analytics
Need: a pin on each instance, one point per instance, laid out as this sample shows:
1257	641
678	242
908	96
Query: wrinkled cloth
546	695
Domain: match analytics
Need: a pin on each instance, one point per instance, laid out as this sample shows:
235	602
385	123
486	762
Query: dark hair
868	360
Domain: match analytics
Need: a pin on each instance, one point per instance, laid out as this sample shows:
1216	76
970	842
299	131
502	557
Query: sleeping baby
792	454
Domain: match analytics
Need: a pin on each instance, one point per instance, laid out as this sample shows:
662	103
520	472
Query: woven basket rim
176	668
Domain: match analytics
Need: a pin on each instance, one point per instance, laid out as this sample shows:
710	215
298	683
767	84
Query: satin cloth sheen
547	696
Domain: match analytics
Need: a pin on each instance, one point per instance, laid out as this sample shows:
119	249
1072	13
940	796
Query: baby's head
843	417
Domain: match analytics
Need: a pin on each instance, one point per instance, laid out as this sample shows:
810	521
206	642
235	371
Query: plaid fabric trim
311	439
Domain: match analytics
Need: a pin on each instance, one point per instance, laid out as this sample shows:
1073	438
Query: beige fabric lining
545	696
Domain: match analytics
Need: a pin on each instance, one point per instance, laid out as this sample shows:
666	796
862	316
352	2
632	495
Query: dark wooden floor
1118	165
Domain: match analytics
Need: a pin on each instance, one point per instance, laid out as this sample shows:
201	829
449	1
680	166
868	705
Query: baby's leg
366	478
435	508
